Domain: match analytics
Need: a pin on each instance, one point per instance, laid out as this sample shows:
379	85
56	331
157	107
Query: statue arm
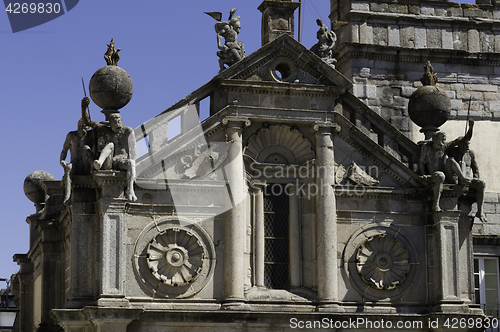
64	152
468	136
86	116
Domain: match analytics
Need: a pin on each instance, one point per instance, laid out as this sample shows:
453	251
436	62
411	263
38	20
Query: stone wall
383	47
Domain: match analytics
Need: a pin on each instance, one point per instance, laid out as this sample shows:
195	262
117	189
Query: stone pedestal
451	260
111	229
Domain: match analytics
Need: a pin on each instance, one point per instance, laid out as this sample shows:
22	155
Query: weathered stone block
457	86
481	87
426	10
473	41
456	104
451	94
434	38
494	106
491	96
355	33
379	7
477	13
420	37
401	122
460	39
487	41
393	35
455	11
365	33
440	12
380	35
362	6
447	39
466	95
407	91
466	78
365	91
397	8
407	36
415	10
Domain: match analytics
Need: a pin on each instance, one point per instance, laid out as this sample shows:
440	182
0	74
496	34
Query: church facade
298	203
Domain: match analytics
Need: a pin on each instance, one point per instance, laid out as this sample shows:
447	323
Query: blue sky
168	48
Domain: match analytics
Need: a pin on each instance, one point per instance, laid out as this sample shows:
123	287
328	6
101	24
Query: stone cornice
409	19
348	51
289	89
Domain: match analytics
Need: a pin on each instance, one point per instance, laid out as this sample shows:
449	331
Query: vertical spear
468	116
85	93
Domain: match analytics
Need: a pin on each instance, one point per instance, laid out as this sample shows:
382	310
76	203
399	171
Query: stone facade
385	44
294	203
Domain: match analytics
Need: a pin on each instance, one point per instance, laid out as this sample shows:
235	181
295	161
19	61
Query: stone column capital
236	122
326	127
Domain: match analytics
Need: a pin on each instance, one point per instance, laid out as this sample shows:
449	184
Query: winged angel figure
232	51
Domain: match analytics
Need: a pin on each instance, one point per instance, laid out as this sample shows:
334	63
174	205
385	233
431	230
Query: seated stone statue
116	147
80	158
326	43
452	162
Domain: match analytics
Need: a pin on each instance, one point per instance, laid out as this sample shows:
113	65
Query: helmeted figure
232	51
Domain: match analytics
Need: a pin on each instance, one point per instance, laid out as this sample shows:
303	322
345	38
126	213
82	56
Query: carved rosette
176	256
382	262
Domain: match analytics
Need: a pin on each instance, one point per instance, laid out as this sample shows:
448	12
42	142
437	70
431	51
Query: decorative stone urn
429	107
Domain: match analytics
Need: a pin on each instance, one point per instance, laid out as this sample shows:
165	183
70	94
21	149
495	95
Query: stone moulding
174	258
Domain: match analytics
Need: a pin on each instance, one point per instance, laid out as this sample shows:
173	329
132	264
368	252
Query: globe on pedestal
111	87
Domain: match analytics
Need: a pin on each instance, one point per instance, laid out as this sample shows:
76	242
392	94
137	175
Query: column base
329	307
235	305
455	307
113	301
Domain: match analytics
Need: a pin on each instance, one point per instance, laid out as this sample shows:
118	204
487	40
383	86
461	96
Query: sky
167	47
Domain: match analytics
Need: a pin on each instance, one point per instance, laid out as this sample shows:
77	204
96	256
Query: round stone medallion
174	258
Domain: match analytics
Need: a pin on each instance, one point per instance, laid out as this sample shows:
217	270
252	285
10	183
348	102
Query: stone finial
429	78
111	56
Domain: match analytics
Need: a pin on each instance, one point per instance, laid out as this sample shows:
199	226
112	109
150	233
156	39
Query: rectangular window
486	282
276	251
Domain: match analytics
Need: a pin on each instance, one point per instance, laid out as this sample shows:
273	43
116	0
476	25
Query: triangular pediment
285	60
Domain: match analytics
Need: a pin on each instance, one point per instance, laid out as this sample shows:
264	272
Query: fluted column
326	219
234	220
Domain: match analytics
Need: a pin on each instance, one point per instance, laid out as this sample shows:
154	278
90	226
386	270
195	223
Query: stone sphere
429	106
111	87
33	186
